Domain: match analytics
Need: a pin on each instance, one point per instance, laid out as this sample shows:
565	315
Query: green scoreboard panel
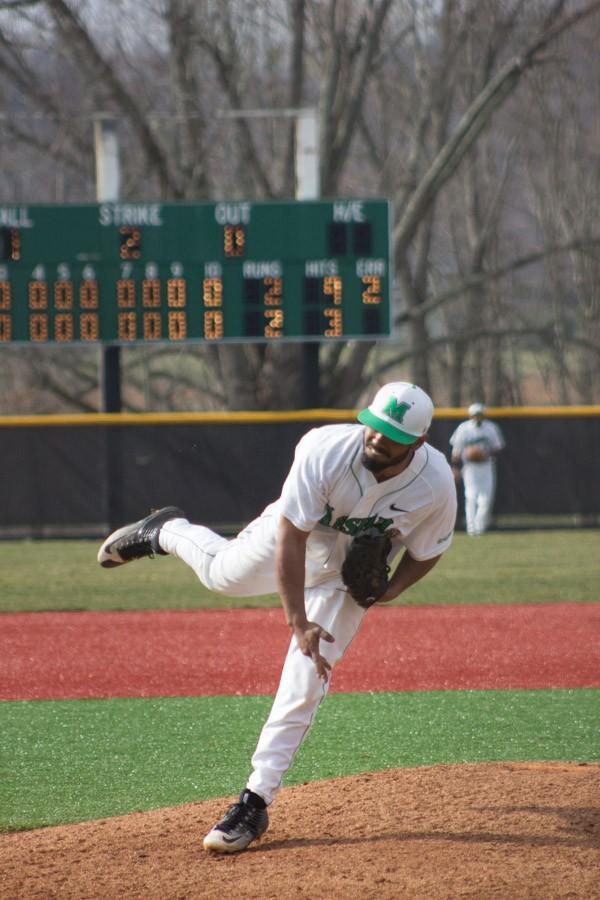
234	271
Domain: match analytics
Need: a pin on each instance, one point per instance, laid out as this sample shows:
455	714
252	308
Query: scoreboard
122	273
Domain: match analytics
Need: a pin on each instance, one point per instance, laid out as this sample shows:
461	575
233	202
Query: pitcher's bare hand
309	638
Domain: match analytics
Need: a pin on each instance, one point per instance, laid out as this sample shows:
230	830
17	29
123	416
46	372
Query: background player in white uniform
344	480
474	445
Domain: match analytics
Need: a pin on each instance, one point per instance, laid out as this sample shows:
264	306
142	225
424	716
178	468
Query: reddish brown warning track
190	653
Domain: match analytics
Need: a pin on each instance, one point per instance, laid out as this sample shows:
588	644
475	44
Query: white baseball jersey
329	493
484	434
479	478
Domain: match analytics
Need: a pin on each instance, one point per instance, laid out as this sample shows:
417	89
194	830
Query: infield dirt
511	831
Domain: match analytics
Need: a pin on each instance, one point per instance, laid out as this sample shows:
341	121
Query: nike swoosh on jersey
397	508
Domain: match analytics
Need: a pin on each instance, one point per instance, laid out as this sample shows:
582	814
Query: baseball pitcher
357	497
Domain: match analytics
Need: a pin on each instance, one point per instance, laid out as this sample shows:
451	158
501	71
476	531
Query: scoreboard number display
122	273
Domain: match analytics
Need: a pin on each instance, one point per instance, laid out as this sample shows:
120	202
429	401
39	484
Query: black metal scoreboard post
121	273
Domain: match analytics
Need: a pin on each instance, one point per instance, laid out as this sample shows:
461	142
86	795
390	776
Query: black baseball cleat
243	823
136	540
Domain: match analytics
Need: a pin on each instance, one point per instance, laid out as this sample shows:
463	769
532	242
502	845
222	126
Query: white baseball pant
480	482
243	567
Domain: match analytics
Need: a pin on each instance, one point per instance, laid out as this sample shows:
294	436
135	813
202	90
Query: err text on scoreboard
231	271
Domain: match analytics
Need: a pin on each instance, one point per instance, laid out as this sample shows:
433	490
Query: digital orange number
63	327
151	292
88	295
5	295
5	328
177	326
127	326
332	287
176	292
88	327
126	293
334	317
212	292
372	293
274	293
151	326
38	327
131	243
274	328
63	295
213	325
38	295
234	240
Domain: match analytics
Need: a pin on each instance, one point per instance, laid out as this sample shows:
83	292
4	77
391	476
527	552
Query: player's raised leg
137	540
243	566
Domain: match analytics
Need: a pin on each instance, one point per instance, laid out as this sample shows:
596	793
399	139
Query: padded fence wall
78	476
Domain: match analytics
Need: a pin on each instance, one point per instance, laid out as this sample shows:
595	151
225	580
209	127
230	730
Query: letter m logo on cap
395	410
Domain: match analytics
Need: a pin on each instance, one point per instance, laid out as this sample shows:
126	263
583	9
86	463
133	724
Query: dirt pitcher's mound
512	830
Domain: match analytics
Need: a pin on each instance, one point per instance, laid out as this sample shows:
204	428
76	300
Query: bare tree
427	102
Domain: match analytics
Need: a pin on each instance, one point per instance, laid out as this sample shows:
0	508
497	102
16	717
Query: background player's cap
476	409
400	411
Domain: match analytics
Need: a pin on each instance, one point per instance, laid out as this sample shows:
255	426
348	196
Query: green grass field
501	567
67	761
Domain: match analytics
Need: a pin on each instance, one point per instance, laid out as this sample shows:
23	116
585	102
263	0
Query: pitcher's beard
374	465
401	458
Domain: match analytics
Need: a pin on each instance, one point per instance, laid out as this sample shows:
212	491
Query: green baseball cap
401	411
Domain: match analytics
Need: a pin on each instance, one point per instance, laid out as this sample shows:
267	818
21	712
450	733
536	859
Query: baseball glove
475	454
365	569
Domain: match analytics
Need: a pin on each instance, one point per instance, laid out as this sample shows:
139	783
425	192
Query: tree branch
472	123
103	73
491	276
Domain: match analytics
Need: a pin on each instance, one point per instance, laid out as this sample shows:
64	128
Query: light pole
108	188
308	187
307	143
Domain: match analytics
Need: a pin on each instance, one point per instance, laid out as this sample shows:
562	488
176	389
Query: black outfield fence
69	476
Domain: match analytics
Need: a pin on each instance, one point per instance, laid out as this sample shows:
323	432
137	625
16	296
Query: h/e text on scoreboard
230	271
